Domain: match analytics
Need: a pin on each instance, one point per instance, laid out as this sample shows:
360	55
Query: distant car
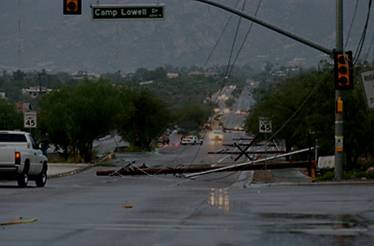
191	139
216	136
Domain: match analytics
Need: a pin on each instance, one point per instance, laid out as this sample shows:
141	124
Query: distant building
35	91
172	75
210	72
293	70
195	73
80	75
279	74
207	74
146	82
2	95
297	62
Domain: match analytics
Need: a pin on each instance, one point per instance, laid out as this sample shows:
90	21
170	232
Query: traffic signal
72	7
343	70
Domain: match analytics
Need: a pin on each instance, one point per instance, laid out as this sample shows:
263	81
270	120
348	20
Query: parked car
21	159
191	139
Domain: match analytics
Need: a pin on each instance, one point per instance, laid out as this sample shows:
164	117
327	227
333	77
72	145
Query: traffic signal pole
339	120
339	150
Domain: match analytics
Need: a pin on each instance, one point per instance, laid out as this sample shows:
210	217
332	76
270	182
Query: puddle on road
219	198
317	224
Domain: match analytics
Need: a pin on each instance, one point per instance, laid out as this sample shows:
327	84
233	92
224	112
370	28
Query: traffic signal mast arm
271	27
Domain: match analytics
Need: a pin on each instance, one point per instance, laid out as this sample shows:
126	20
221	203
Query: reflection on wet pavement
219	198
317	224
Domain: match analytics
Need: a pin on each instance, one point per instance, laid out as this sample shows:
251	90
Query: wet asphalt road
217	209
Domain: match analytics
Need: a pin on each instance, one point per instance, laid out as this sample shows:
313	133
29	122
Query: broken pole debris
197	170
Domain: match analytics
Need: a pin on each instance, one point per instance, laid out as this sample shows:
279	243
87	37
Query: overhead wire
370	47
294	114
245	38
19	36
218	40
372	55
363	35
234	40
351	25
220	37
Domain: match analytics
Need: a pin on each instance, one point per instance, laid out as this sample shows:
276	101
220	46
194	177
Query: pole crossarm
269	26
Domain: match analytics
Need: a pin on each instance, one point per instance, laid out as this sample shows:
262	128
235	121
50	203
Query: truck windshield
6	137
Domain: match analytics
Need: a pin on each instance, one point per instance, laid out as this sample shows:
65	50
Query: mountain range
36	35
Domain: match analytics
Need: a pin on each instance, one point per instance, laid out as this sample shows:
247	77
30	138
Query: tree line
73	116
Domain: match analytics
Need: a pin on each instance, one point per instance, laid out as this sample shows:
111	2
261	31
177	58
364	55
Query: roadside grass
360	172
325	175
352	174
357	174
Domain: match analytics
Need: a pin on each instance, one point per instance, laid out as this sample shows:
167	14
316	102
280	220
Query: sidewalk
66	169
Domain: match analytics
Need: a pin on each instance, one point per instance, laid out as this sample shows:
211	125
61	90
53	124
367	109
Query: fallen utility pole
197	170
131	170
259	152
248	163
245	144
135	171
243	139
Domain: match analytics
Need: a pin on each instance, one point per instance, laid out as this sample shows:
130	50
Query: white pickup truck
21	160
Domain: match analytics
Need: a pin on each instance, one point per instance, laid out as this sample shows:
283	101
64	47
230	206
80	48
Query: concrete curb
72	172
324	183
344	182
77	170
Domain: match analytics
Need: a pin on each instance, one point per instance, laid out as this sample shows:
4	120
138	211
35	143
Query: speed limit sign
29	120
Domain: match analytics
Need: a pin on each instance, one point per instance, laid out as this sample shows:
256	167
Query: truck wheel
41	179
23	179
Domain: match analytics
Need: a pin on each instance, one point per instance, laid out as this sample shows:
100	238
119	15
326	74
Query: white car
21	160
191	140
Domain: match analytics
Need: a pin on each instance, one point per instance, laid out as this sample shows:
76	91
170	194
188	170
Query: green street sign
127	12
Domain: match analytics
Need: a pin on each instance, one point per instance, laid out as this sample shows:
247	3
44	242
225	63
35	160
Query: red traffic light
343	70
72	7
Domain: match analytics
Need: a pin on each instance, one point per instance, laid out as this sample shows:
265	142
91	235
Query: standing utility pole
339	121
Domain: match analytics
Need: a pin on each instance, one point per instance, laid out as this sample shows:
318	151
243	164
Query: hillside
35	35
